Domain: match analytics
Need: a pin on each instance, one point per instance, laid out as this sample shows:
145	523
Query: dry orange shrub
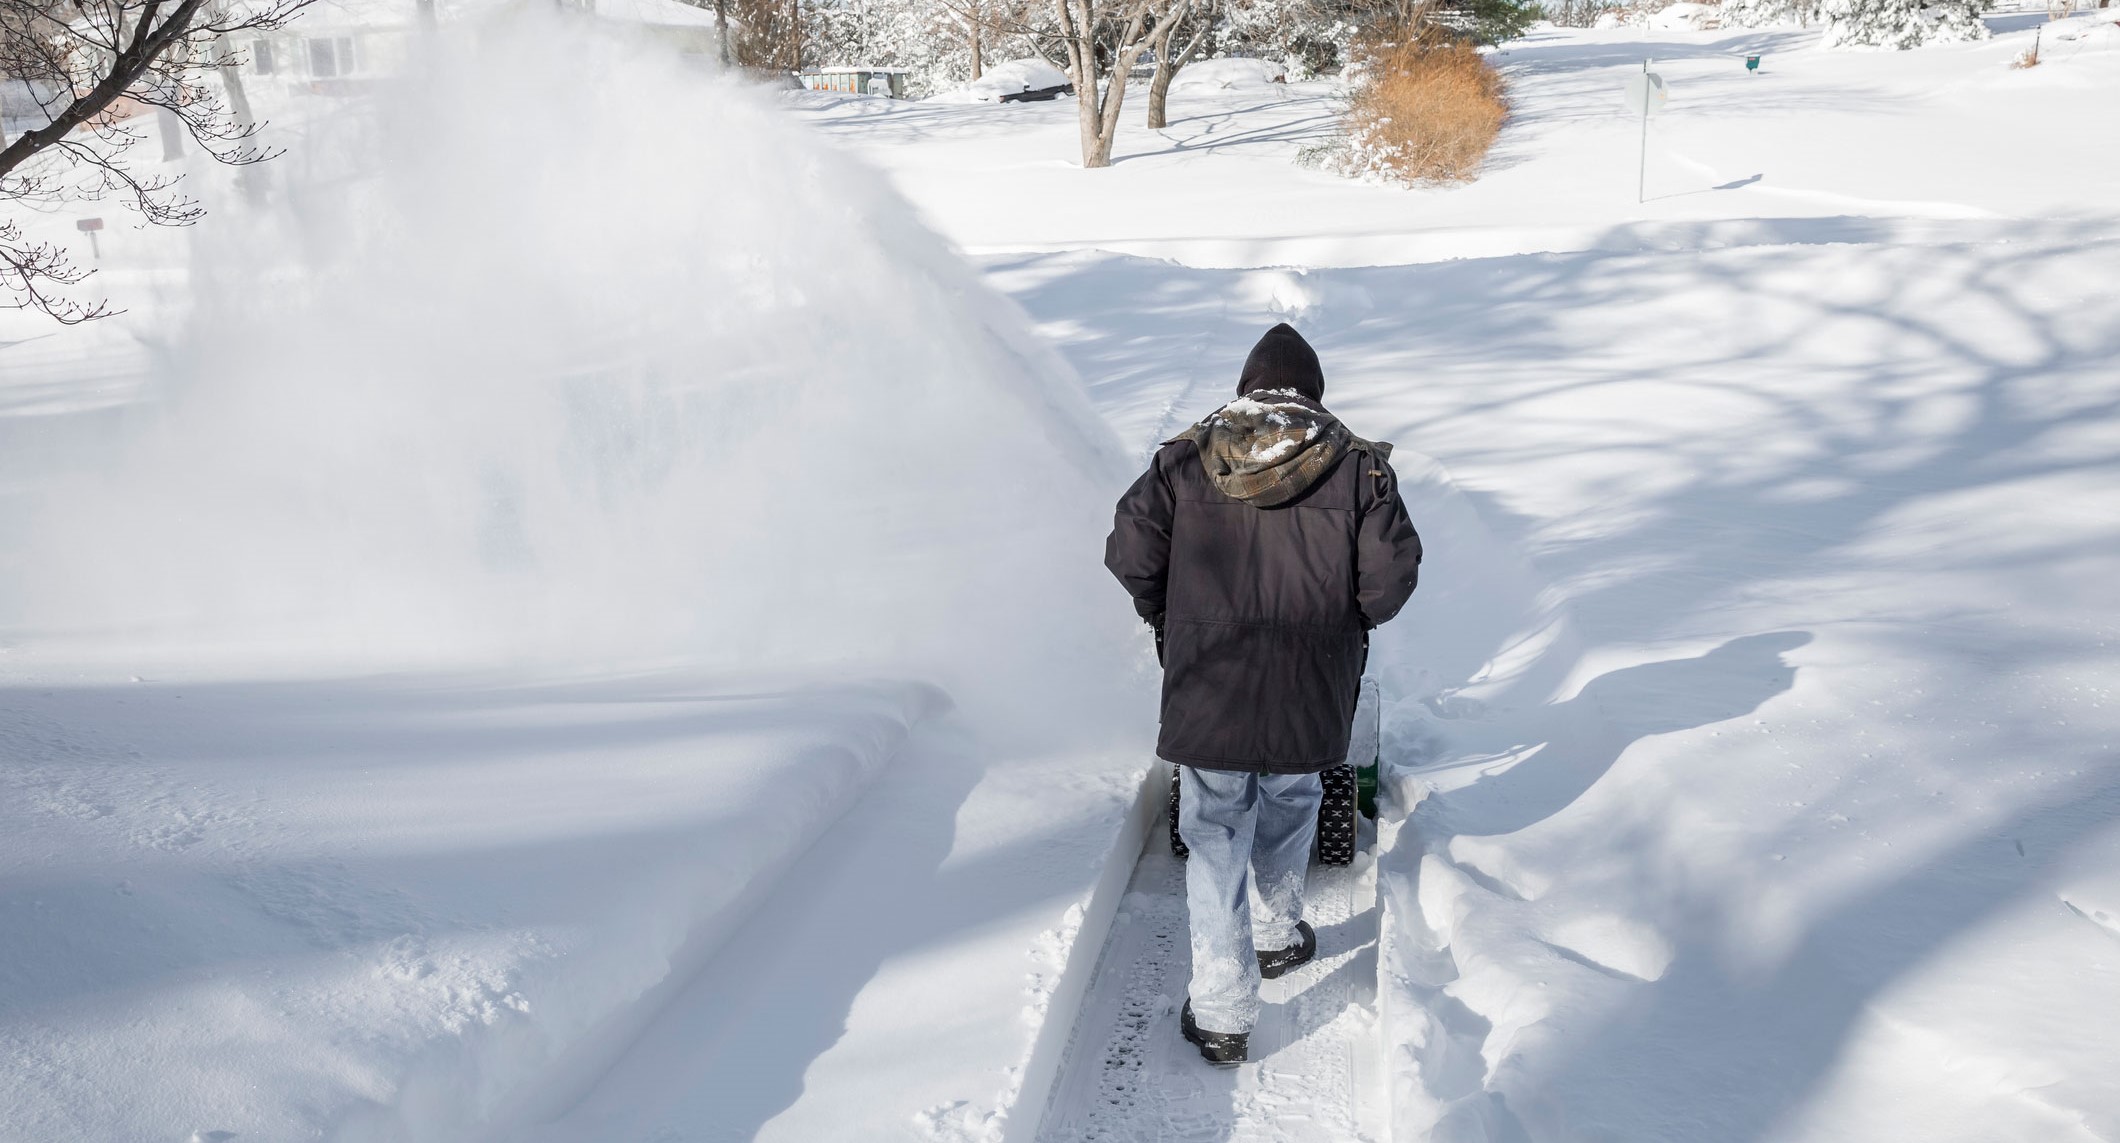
1427	111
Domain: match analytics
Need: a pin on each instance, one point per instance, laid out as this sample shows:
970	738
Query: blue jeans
1250	837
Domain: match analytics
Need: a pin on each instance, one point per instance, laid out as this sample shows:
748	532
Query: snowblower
1350	787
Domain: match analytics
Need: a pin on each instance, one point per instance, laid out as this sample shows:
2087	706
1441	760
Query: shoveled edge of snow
1041	1069
568	1074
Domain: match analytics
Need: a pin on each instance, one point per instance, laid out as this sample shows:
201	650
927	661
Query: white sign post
1645	95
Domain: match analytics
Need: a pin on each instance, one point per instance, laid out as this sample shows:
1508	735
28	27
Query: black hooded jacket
1265	541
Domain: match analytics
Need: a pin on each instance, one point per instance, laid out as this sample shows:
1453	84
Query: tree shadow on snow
1960	379
1580	738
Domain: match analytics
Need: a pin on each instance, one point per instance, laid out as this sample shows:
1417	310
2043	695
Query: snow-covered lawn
1941	135
1764	665
1757	702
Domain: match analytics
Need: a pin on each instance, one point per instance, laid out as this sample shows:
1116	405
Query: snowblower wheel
1337	815
1177	844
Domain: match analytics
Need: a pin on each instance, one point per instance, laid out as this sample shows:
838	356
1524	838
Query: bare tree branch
90	66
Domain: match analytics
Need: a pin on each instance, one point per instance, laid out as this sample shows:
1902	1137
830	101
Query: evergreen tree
1902	24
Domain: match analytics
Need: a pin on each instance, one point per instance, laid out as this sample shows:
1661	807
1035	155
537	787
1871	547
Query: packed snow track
1130	1076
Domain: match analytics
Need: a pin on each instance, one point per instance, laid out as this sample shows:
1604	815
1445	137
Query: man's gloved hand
1155	622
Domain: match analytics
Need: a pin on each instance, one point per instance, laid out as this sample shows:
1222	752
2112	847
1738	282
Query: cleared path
1130	1076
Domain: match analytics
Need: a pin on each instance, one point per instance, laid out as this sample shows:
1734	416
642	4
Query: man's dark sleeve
1138	550
1387	549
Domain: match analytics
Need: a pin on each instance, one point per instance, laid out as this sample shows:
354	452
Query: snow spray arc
631	399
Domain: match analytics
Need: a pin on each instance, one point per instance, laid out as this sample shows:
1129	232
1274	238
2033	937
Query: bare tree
973	17
1104	39
91	67
1199	23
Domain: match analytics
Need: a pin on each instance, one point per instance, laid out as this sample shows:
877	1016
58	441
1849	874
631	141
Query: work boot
1226	1048
1274	962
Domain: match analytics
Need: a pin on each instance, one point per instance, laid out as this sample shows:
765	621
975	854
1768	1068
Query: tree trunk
1159	83
249	178
978	65
721	28
1077	32
1097	105
1159	96
1167	68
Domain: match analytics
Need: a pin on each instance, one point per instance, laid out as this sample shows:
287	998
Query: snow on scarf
1269	447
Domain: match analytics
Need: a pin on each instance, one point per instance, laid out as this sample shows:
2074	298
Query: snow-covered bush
1230	73
1768	13
1577	13
1661	15
1901	24
1683	17
1313	38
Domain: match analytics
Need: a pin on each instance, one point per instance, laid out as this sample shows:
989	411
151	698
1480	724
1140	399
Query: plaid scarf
1269	447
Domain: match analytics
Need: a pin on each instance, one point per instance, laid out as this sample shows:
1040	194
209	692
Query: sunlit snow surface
1760	683
1763	667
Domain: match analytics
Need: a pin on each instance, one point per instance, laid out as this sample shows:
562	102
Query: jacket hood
1269	447
1282	360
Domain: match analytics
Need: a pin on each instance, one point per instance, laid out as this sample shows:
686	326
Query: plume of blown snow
562	351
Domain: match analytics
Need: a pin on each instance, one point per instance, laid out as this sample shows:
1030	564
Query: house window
261	56
330	57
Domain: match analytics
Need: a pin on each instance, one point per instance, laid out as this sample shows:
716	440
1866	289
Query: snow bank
1226	73
375	910
1488	637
